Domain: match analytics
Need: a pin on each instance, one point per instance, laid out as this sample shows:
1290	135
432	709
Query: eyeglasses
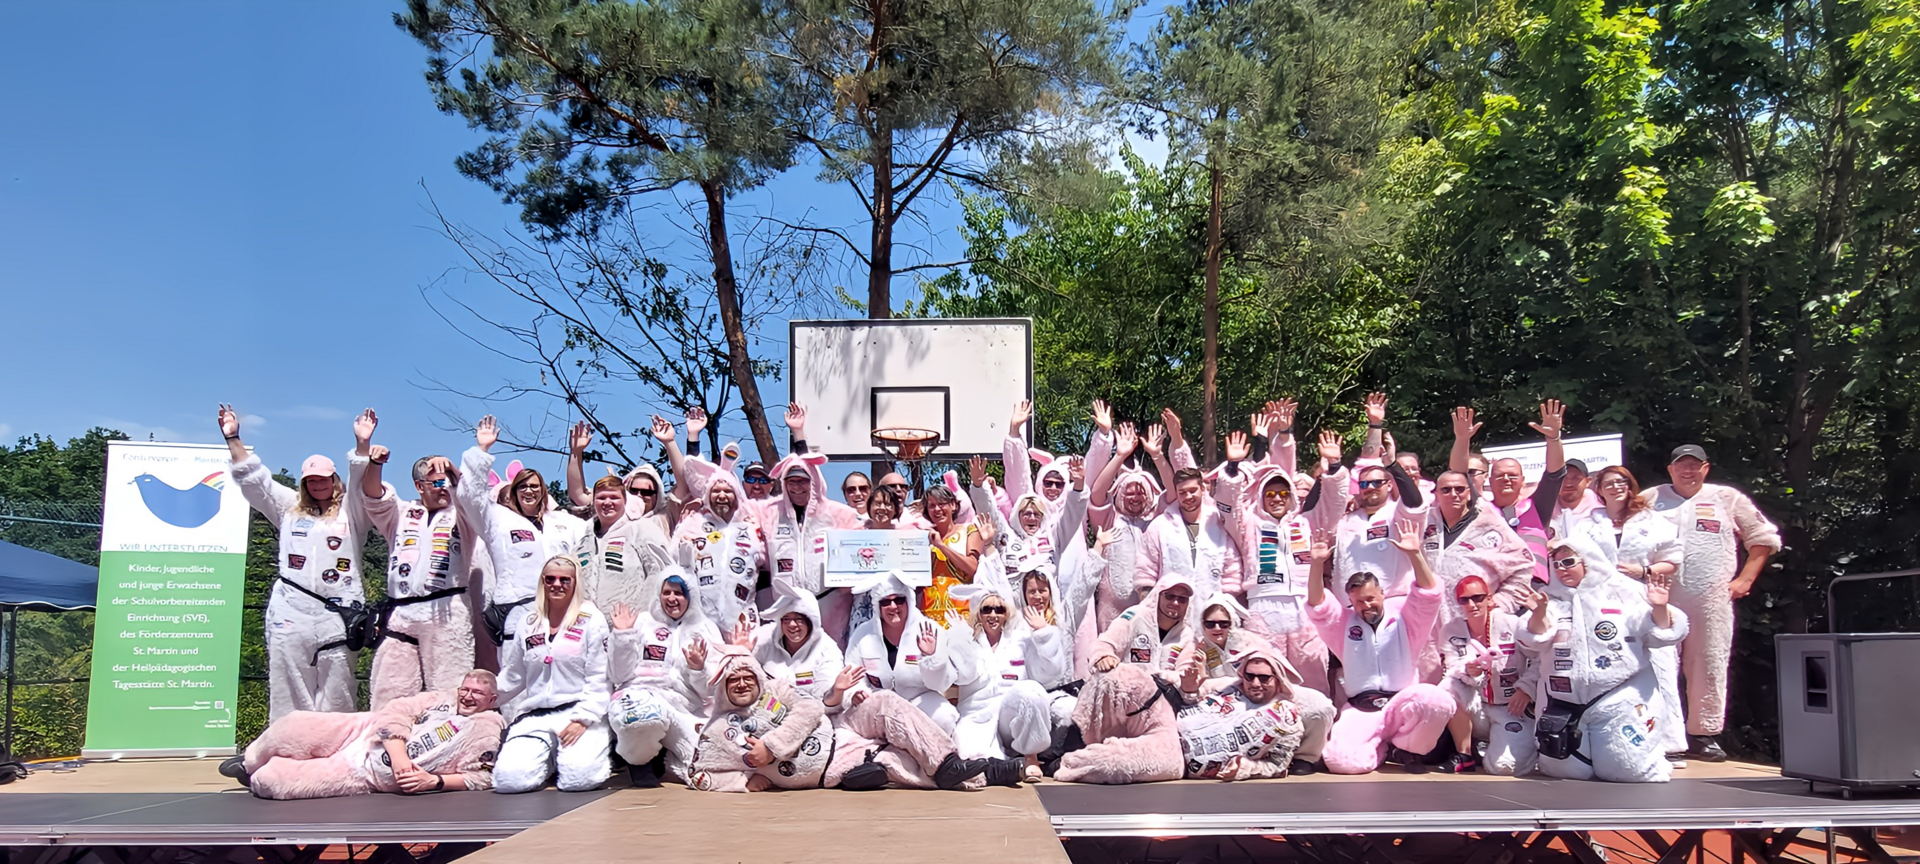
475	692
849	490
1509	475
1257	678
1566	563
758	481
1372	484
1471	599
1614	481
1477	472
897	487
993	610
1218	625
1451	490
559	580
895	600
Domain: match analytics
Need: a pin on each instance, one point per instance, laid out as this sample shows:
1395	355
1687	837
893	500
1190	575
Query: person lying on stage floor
657	664
763	733
1125	713
428	642
1599	702
1226	644
1248	726
555	670
437	741
309	663
1390	714
1490	678
523	528
902	651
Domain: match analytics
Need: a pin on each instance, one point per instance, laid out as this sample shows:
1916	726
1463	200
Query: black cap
1685	450
752	467
1578	465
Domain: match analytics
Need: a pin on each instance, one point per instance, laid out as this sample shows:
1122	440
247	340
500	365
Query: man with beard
1365	539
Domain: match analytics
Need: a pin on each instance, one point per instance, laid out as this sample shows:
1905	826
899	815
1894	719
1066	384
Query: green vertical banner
166	630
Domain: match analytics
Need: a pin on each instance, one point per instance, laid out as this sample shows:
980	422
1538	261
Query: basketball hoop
906	444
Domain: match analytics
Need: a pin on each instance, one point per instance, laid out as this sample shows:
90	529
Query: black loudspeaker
1847	708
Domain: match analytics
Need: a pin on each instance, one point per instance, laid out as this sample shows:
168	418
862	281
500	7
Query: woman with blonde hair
309	661
1025	658
555	671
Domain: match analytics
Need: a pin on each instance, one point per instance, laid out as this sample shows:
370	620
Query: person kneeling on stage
556	665
764	733
1390	714
430	742
658	663
1492	680
1600	702
1250	727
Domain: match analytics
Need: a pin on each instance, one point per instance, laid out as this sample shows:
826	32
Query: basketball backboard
959	377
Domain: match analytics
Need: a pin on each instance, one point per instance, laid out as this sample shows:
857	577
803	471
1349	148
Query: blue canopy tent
38	582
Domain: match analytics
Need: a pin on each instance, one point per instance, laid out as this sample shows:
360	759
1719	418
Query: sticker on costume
1709	526
1376	532
1605	631
520	535
1560	684
656	652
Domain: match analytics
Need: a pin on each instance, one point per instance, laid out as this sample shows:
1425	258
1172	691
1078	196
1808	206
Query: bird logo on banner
182	508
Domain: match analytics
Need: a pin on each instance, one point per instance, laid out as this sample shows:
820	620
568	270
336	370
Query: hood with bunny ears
1258	479
1602	569
809	462
637	507
719	479
1167	580
1051	467
689	622
1135	476
724	660
1013	514
1290	677
792	599
965	514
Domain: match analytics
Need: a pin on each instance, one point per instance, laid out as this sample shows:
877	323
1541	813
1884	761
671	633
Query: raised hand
848	678
486	433
741	634
1553	416
363	427
1102	415
696	652
1659	588
1282	411
378	454
1036	619
1463	425
1322	546
797	420
1376	408
1077	471
927	642
1237	447
1192	669
1156	440
663	431
977	471
696	422
623	616
445	466
1258	423
1022	412
1330	443
1406	535
1125	440
1172	422
229	422
579	437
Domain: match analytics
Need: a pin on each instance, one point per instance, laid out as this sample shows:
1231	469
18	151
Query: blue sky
206	202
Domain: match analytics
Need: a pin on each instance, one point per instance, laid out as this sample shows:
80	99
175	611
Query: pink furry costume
724	557
1388	703
314	754
1129	728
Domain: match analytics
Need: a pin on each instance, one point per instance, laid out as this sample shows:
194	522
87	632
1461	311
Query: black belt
364	625
1371	700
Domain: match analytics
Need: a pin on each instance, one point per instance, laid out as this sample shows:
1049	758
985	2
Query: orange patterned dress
935	602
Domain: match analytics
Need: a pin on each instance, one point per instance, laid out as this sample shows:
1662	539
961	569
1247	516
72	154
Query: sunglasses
1372	484
1257	678
1218	625
1451	490
643	491
1053	481
1566	563
897	487
559	580
993	610
1471	598
895	600
849	490
1476	471
1279	493
438	484
1177	598
759	481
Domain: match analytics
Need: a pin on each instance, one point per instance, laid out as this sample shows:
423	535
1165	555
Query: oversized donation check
852	556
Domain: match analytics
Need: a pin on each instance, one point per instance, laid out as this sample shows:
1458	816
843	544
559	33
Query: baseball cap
755	468
1685	450
316	466
1577	465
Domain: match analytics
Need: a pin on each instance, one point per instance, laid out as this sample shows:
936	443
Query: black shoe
236	767
1413	763
1460	763
1705	749
954	771
1301	768
642	777
1006	772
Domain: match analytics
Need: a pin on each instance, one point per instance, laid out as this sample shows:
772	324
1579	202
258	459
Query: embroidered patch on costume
296	562
811	746
1563	665
1376	532
1514	726
1457	641
737	565
333	542
1560	684
873	681
740	592
1633	735
535	640
656	653
786	769
1354	633
1605	631
520	535
705	581
1602	662
330	576
1710	526
785	565
342	564
1563	652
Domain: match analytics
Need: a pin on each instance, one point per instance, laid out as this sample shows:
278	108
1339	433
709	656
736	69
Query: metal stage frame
1478	821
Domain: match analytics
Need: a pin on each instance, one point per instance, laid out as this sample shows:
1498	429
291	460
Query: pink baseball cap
316	466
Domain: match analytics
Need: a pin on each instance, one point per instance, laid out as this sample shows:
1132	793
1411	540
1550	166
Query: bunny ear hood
883	585
1261	650
1136	477
792	599
693	617
1236	612
808	462
1601	568
1267	475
